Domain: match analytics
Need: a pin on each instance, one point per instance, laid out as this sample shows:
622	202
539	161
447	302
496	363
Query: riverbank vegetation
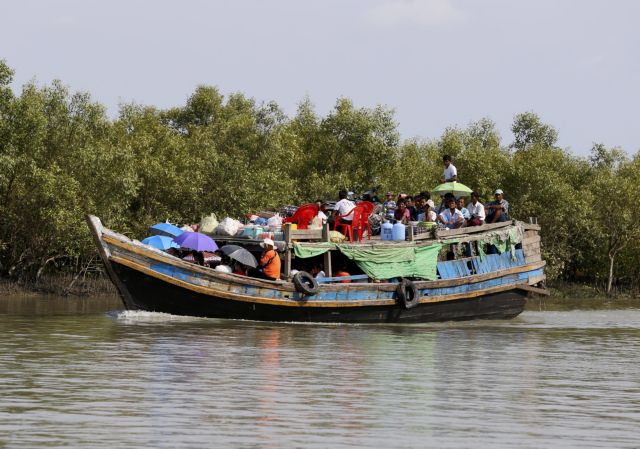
62	157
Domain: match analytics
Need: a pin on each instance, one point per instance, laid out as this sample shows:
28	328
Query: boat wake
141	316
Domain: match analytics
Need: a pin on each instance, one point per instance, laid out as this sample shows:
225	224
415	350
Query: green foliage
61	158
529	130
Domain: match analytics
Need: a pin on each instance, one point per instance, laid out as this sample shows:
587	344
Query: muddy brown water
84	373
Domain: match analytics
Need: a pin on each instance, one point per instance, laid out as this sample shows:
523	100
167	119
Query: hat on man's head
267	242
498	192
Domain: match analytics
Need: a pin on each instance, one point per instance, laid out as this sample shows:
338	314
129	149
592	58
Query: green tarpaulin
305	251
503	240
386	262
382	261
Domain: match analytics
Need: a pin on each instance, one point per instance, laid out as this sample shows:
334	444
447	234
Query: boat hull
151	294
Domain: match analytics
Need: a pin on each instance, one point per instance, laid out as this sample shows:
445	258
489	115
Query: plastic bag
336	237
316	223
223	268
208	224
228	226
276	220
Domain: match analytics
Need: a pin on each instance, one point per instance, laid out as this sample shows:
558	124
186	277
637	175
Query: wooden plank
423	236
326	237
530	226
287	254
532	289
305	234
444	233
531	249
533	258
355	277
532	239
96	228
533	280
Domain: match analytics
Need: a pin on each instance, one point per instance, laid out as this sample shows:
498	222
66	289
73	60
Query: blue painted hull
151	294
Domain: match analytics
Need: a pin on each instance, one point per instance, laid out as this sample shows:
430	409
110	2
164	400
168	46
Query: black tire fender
407	293
305	283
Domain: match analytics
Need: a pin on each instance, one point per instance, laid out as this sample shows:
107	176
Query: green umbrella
458	189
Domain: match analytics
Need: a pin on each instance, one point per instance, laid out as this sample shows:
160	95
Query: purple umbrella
196	241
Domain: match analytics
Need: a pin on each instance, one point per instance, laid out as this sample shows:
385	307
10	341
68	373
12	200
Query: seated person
427	196
427	213
451	217
342	272
317	271
240	269
413	211
269	265
465	212
194	257
444	202
321	217
401	213
498	210
321	210
476	210
344	207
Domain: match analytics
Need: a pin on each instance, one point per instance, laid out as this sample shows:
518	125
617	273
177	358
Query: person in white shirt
450	172
344	207
426	213
317	272
476	210
321	215
451	217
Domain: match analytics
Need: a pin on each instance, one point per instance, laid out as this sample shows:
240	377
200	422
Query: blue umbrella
162	242
196	241
165	229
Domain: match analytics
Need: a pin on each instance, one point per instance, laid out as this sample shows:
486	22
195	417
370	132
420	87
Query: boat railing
530	243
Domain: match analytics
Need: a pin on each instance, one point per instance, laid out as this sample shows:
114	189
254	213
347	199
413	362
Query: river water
82	373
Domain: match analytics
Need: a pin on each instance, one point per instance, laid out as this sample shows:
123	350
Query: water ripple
133	379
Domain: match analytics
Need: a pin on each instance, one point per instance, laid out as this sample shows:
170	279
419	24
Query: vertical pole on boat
287	256
411	231
326	237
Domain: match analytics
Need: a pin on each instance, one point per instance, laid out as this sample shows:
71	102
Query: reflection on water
84	377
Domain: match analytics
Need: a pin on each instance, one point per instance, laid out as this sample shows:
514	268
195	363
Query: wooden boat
491	287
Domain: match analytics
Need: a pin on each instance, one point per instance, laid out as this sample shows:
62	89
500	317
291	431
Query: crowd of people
452	212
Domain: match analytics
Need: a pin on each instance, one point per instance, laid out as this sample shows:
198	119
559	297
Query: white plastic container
386	231
398	231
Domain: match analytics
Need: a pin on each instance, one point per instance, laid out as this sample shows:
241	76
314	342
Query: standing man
390	203
450	171
498	210
476	210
